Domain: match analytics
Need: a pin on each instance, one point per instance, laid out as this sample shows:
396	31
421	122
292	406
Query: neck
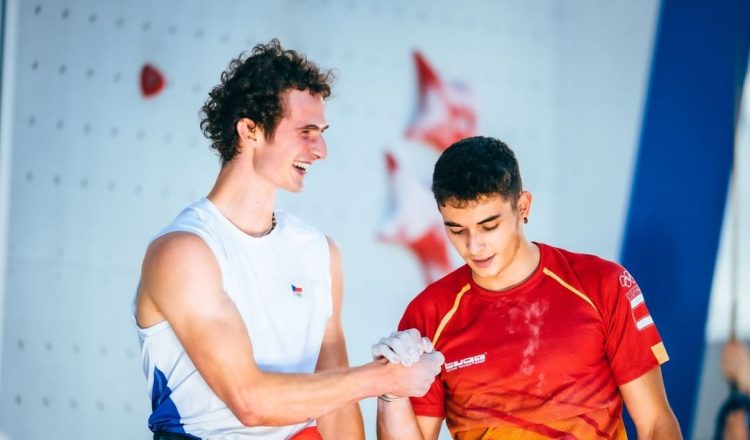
519	268
244	198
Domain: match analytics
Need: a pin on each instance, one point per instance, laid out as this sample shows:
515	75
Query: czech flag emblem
297	290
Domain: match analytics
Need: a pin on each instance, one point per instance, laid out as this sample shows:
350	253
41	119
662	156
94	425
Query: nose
474	244
319	148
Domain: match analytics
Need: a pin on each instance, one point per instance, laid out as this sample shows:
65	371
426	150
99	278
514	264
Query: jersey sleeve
633	345
431	404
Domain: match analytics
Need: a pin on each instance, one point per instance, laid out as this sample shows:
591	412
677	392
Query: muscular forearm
274	399
396	421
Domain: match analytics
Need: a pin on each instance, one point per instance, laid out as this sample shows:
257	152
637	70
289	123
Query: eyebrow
451	224
313	127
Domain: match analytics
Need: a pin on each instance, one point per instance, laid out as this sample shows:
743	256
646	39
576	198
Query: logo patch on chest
297	290
467	362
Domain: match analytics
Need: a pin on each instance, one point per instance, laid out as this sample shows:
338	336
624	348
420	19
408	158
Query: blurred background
624	115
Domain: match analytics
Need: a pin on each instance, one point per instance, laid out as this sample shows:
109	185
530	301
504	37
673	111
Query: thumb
427	345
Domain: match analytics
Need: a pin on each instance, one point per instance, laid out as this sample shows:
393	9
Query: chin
487	272
294	187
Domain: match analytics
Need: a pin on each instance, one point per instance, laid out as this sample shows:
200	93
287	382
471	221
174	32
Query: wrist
389	398
389	380
379	377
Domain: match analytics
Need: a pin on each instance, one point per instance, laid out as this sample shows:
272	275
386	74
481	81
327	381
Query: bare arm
181	282
735	362
397	421
647	404
396	418
736	426
736	365
345	423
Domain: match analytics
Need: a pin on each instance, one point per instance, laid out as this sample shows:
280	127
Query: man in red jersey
539	342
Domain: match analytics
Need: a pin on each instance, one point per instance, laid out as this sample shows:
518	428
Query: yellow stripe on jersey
583	296
449	315
660	352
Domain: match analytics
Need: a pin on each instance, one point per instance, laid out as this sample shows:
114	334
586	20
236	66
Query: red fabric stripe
594	425
310	433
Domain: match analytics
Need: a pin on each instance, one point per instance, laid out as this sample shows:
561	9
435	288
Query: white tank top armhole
163	325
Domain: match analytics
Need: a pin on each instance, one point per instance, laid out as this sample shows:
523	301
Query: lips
301	166
482	263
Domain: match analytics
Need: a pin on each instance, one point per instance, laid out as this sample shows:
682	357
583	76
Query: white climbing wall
91	169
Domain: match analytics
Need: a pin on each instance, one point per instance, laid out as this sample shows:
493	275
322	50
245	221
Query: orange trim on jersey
505	433
569	287
660	352
449	315
511	427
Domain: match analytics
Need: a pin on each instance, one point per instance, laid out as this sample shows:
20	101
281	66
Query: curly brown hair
253	87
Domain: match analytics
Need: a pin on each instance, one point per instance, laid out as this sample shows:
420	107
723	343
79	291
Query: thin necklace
273	225
263	234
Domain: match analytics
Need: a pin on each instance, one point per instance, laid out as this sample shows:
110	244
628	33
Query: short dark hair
474	168
252	87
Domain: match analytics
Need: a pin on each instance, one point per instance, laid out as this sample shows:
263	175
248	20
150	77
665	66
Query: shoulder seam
570	288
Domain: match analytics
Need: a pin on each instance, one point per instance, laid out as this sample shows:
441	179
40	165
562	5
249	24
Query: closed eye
491	228
457	231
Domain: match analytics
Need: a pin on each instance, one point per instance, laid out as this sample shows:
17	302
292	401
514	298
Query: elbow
249	409
251	419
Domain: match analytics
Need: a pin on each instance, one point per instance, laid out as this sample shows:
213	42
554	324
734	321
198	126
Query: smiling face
297	142
488	234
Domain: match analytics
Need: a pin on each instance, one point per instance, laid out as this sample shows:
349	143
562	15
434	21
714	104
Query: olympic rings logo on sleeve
627	280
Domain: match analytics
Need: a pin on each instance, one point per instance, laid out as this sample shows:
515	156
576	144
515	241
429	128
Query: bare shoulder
176	267
176	248
178	257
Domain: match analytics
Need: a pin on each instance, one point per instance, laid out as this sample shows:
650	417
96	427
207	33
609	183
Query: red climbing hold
152	81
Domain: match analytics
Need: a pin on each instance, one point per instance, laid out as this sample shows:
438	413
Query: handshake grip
413	361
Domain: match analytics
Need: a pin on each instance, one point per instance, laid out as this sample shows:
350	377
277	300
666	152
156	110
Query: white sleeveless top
281	285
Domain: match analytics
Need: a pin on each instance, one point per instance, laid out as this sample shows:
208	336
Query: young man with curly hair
539	342
238	309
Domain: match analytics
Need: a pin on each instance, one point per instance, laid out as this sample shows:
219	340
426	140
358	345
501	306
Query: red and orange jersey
543	359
